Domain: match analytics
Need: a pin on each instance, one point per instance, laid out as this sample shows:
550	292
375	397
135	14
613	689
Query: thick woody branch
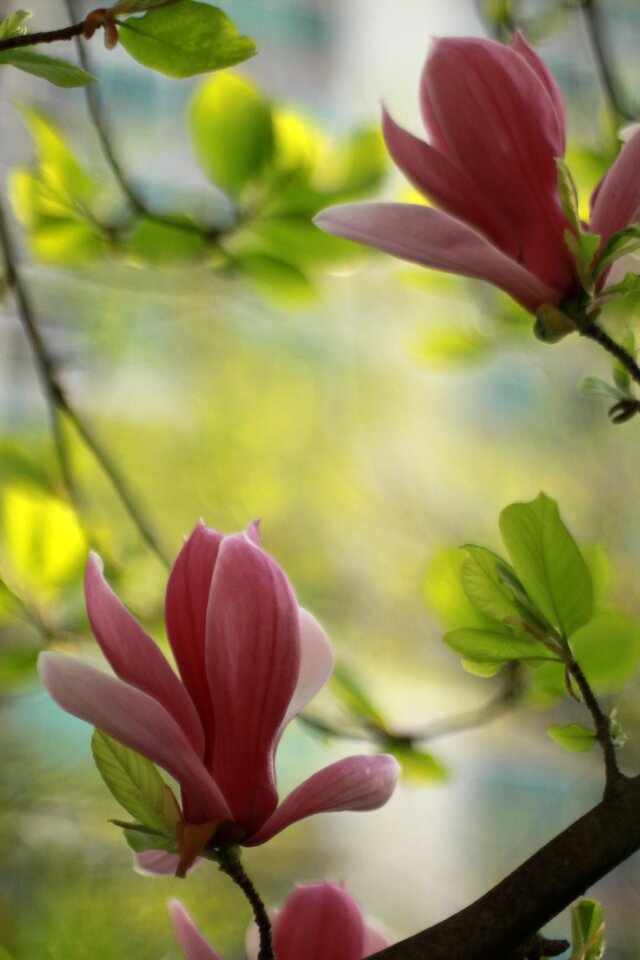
500	922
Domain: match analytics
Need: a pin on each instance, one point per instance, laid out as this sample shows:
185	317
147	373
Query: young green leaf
572	737
595	387
232	131
185	39
493	646
548	562
418	766
352	698
132	779
483	585
619	245
12	26
140	841
56	71
608	650
587	931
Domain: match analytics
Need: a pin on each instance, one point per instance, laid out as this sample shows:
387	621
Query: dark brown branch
602	725
592	331
46	36
500	922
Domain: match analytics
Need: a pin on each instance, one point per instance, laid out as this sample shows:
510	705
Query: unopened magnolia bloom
319	921
249	659
495	119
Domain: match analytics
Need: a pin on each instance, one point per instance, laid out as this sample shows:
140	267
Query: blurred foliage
268	171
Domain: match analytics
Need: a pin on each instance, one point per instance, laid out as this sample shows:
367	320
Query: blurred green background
370	414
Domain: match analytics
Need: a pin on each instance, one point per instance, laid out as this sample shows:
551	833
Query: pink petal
316	664
186	613
521	47
133	655
434	239
372	942
319	921
157	863
444	182
356	783
190	940
616	199
136	720
253	663
501	125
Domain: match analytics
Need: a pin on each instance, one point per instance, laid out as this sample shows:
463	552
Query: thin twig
233	868
602	725
45	36
60	407
607	76
592	331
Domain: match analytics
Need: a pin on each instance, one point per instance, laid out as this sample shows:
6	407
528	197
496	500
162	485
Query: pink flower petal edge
191	941
355	783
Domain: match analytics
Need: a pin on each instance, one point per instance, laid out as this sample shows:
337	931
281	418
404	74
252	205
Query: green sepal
184	40
618	245
572	737
132	779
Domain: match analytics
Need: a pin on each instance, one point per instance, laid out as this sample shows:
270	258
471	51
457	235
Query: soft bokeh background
386	416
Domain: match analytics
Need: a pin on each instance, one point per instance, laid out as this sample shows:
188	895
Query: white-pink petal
136	720
191	941
133	655
316	664
355	783
616	199
434	239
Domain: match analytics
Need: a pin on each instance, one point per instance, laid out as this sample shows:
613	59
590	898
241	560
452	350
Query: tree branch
46	36
608	79
230	864
602	726
592	331
495	926
58	404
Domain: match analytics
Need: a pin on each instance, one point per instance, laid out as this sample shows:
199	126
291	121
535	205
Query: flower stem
592	331
229	862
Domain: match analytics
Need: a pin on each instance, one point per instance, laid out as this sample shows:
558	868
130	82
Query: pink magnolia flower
495	118
319	921
249	659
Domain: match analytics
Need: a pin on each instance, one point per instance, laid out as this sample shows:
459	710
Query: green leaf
493	646
12	26
548	562
568	195
587	931
483	585
608	651
128	7
231	128
285	283
572	737
630	284
132	779
444	593
352	698
18	667
595	387
163	244
618	245
418	766
56	71
451	346
185	39
139	841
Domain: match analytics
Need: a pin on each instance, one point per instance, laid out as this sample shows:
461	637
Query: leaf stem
59	406
602	725
230	864
592	331
45	36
